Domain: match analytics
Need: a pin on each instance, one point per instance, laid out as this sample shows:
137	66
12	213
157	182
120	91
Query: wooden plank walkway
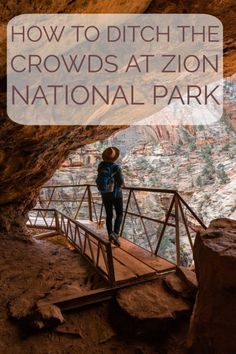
131	262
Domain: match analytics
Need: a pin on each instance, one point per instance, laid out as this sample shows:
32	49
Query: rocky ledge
152	309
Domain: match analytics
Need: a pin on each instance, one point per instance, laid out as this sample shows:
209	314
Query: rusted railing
94	248
177	214
43	218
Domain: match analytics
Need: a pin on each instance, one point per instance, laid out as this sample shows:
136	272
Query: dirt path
29	272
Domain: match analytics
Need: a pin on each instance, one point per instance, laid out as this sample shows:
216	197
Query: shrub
199	182
226	147
201	127
192	146
222	175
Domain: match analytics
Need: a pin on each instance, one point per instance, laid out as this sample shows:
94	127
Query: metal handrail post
177	233
185	224
90	203
57	221
100	215
164	226
144	226
80	204
126	209
111	272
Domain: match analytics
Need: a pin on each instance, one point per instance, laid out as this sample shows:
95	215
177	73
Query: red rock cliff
213	324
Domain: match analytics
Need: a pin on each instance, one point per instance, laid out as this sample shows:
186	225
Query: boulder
33	315
190	278
213	323
223	223
20	308
175	284
178	285
150	308
46	315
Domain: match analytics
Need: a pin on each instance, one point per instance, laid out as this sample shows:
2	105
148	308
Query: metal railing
95	249
84	201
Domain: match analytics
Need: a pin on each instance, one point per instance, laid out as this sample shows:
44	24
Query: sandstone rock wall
213	323
28	157
225	10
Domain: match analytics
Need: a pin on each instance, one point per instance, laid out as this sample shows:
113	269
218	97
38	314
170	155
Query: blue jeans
109	202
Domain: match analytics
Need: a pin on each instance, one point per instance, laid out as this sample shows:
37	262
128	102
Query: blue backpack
106	182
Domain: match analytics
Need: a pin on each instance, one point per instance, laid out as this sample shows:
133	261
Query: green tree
192	146
226	147
201	127
199	182
178	148
190	167
222	175
206	150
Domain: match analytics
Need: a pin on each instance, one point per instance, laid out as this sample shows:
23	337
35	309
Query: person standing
109	182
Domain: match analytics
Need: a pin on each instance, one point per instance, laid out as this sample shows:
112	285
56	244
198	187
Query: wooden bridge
129	263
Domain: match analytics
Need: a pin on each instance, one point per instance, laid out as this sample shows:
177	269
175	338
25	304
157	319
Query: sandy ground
29	272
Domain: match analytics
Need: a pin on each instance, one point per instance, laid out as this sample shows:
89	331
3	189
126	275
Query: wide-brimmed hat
110	154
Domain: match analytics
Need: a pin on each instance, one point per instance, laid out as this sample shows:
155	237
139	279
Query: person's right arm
120	177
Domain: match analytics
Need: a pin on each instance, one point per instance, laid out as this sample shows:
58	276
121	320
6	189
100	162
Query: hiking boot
113	237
